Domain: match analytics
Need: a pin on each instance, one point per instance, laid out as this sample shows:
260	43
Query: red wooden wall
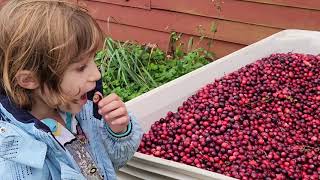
240	23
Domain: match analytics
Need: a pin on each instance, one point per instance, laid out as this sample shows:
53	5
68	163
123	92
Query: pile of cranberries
260	122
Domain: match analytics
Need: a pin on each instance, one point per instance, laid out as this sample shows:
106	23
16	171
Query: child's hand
114	112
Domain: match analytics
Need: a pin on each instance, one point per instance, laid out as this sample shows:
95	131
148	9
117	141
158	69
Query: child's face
78	80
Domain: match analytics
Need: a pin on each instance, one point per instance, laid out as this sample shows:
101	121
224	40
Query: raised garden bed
155	104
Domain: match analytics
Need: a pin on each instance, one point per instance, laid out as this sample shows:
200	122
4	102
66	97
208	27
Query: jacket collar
18	125
21	115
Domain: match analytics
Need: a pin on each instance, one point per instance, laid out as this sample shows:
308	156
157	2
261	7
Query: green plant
213	28
175	49
130	67
131	70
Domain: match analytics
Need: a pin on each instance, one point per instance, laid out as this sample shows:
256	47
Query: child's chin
73	108
77	109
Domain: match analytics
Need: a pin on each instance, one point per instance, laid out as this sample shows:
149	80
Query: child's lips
83	97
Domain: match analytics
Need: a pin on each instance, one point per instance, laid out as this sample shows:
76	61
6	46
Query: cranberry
260	122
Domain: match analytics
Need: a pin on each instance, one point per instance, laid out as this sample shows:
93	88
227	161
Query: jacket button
93	170
2	129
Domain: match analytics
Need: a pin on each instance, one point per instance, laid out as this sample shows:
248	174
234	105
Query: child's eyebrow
83	59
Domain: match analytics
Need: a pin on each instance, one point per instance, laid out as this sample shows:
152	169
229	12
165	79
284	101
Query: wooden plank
3	1
135	34
144	36
144	4
219	48
166	21
222	48
307	4
248	12
202	8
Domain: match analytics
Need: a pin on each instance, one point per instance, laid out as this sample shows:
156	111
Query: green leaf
132	69
190	44
213	27
100	55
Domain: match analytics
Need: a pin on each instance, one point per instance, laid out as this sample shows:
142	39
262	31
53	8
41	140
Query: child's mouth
83	99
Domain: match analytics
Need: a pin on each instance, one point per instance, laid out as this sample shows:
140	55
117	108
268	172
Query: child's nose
95	75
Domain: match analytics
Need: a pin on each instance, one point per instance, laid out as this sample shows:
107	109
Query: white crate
153	105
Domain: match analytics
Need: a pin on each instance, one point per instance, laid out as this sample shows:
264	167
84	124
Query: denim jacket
29	151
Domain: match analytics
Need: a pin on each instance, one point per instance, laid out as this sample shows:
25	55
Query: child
50	128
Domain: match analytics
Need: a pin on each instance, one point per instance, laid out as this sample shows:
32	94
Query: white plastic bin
153	105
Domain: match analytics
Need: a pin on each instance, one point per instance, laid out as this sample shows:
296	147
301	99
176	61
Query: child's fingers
122	121
108	99
110	107
121	111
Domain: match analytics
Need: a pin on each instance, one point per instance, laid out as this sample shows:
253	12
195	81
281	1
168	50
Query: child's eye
82	68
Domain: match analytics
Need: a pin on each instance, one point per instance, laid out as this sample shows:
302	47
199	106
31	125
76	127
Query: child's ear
27	79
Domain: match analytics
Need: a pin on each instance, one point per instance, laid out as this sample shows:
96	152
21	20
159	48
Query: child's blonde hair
43	36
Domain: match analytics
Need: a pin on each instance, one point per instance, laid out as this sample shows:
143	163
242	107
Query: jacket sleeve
20	154
10	170
119	147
